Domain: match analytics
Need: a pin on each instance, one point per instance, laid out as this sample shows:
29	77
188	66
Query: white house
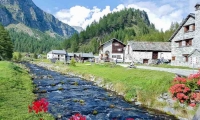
57	54
147	52
112	50
185	41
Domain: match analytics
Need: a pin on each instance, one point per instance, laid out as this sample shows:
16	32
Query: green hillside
125	25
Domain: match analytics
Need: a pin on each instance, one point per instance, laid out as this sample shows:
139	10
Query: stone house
112	50
59	55
147	52
185	41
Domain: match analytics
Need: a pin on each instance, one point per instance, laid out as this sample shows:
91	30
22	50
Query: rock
138	103
169	109
160	99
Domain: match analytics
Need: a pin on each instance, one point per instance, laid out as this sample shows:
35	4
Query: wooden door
145	60
155	55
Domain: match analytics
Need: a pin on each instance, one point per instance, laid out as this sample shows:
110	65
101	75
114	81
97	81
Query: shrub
17	56
185	90
73	62
35	56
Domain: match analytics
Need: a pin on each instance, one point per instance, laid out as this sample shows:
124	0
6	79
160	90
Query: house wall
177	51
194	60
49	56
165	55
116	55
138	56
106	47
128	54
114	52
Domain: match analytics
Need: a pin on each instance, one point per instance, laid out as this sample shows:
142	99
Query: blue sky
63	4
84	12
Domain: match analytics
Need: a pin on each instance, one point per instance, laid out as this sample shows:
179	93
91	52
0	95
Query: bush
35	56
73	62
186	90
17	56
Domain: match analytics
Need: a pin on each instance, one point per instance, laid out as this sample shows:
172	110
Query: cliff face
27	13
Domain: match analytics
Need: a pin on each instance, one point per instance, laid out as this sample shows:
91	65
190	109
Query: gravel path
183	72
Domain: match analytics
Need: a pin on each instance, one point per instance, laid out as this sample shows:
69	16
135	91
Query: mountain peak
27	13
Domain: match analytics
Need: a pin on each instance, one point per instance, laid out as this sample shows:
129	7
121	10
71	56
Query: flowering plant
39	106
77	116
184	89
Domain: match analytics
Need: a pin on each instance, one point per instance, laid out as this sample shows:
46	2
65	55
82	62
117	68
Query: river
68	95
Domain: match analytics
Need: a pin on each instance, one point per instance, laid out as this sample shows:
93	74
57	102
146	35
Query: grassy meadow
16	93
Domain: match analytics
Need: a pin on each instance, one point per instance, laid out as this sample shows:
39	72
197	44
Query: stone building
147	52
185	42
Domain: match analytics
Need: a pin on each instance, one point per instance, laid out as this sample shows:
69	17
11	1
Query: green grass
146	84
16	93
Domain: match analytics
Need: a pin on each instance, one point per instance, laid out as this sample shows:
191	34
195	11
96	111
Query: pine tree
6	45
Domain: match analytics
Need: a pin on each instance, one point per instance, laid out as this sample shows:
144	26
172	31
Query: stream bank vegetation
16	93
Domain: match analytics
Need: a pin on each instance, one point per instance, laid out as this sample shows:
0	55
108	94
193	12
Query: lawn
16	93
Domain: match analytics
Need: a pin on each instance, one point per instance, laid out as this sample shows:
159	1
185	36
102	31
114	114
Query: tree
17	56
6	45
35	56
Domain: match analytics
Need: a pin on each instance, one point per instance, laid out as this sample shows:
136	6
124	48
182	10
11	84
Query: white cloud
161	14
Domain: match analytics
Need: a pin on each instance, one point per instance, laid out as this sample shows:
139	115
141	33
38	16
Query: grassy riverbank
146	84
16	93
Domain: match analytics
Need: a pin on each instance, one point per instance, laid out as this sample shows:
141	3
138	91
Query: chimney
197	6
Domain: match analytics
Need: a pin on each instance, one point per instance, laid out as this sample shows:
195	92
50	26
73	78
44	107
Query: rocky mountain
78	28
27	13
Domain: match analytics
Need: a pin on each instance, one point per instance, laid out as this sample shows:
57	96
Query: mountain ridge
27	13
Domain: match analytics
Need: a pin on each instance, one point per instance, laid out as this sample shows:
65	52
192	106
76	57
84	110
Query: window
119	57
193	27
119	49
186	57
116	44
173	57
188	42
186	28
179	43
113	56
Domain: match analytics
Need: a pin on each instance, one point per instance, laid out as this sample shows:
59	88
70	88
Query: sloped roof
198	50
57	52
151	46
112	41
190	15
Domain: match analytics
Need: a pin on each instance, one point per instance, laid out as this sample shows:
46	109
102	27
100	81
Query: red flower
129	119
198	82
77	116
192	104
39	106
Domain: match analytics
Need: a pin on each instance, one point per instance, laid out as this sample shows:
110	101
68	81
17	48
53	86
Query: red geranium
39	106
77	116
